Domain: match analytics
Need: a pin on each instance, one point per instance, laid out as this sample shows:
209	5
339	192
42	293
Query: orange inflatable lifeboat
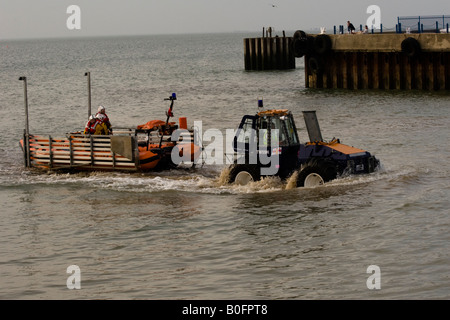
166	154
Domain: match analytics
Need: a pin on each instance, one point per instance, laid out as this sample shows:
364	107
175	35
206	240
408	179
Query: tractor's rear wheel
316	174
243	174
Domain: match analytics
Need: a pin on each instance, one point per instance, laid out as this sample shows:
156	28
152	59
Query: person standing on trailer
91	125
101	115
95	126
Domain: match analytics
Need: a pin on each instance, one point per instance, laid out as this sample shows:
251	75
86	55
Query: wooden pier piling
268	53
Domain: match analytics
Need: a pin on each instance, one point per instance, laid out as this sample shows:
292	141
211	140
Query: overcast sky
47	18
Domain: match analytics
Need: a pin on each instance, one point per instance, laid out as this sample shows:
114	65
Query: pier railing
421	24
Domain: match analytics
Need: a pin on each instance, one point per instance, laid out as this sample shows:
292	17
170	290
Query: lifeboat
155	157
146	147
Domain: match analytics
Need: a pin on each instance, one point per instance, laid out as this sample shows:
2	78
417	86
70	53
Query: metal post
88	75
437	27
27	126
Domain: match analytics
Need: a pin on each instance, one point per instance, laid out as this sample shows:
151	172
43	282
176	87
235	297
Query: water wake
212	180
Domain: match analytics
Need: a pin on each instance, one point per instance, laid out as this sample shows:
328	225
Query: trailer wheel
316	174
243	174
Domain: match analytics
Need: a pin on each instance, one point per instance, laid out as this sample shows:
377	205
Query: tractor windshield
275	128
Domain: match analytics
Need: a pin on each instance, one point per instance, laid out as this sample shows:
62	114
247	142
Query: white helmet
100	108
100	116
91	117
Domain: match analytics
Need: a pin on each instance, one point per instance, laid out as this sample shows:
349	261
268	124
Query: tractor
267	144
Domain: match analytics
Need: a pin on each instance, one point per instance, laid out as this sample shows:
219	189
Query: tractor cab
269	134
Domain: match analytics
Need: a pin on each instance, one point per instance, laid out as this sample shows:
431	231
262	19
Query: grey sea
185	234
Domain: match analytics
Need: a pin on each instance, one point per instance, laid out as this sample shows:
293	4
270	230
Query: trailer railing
118	152
82	152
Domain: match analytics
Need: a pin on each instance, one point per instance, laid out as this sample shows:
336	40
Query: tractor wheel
242	174
316	174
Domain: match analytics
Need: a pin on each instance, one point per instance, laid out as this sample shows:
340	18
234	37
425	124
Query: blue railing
421	24
410	24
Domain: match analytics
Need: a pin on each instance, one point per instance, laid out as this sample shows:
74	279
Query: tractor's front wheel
316	174
243	174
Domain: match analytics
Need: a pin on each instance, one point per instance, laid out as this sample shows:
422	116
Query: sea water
187	234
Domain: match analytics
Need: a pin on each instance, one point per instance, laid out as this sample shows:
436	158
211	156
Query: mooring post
27	126
88	75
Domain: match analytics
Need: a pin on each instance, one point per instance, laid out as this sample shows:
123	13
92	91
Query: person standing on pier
350	27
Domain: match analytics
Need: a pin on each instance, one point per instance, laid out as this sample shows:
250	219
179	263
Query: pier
381	61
